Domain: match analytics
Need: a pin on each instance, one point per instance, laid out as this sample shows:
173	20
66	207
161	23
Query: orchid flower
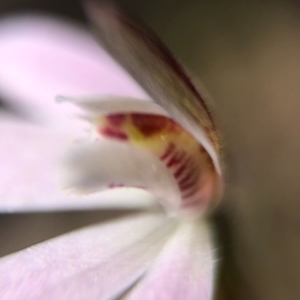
170	149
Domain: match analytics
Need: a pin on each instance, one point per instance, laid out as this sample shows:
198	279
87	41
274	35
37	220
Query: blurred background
247	55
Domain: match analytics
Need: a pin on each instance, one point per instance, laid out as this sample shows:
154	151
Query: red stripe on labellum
189	180
180	170
185	179
188	185
111	133
116	119
190	193
149	124
175	159
168	151
190	174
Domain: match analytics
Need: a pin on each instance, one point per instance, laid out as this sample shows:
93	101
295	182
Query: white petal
30	156
184	268
91	167
102	105
42	57
98	262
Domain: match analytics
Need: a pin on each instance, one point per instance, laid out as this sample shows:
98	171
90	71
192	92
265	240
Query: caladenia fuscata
170	147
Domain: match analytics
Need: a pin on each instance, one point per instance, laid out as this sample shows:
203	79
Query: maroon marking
180	170
108	132
168	151
116	119
175	159
149	124
191	192
189	180
186	178
188	185
191	172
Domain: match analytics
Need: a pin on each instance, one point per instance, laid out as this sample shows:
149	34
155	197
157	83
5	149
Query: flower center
188	162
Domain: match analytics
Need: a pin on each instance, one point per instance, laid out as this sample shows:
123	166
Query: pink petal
42	57
29	180
184	268
98	262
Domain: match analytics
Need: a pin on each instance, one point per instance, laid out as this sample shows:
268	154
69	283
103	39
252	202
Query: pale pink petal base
184	269
98	262
30	158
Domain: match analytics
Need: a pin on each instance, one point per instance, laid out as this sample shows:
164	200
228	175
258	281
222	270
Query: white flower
151	254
